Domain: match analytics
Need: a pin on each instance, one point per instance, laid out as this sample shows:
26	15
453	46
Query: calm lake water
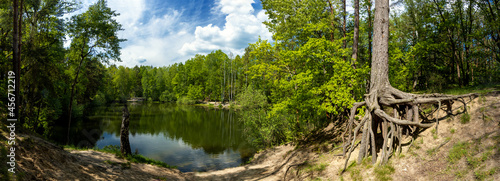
192	138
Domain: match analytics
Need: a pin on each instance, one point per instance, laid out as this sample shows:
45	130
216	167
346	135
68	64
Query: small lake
189	137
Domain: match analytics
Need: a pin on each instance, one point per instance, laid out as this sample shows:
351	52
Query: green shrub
195	92
185	100
252	98
167	96
263	130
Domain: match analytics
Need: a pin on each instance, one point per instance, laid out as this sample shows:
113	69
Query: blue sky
163	32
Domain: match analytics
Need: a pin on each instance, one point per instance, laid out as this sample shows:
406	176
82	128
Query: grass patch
465	118
482	175
452	130
431	151
418	143
160	178
73	147
482	99
384	172
133	158
4	173
461	173
351	165
434	134
356	174
481	89
110	162
474	162
126	165
458	151
316	167
366	162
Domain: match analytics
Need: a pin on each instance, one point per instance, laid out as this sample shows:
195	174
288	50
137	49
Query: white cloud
236	6
167	37
241	27
155	39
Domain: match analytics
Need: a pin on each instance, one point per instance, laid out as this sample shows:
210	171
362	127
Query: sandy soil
41	160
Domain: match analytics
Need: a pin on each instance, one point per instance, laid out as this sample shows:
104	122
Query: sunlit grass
465	118
456	90
481	89
384	172
458	151
133	158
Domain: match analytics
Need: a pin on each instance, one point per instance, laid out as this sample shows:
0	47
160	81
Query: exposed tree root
406	118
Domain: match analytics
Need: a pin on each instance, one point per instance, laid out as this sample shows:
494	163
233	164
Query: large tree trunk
380	64
405	115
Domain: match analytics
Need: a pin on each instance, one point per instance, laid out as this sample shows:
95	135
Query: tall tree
94	38
356	34
370	27
16	45
332	32
382	94
344	30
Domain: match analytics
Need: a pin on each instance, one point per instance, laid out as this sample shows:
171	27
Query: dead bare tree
124	132
405	106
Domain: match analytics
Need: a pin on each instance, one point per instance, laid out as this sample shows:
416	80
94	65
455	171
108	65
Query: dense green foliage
300	80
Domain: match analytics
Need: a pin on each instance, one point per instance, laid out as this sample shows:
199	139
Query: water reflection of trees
211	130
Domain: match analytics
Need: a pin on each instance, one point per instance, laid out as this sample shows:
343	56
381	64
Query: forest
312	72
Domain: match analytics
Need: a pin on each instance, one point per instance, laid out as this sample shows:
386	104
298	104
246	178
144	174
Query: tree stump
124	142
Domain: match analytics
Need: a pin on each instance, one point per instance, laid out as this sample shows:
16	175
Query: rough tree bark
124	141
405	106
369	19
356	34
